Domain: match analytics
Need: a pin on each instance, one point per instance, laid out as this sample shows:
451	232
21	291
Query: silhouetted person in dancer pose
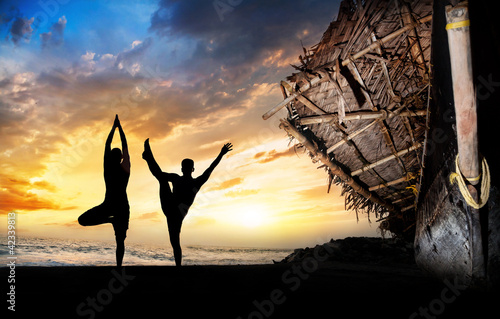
115	208
175	202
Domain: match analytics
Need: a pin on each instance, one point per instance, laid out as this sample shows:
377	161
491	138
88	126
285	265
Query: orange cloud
29	202
16	195
259	154
149	216
45	185
274	155
217	144
227	184
71	224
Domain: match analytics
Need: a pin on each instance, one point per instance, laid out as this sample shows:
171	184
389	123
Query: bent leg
95	216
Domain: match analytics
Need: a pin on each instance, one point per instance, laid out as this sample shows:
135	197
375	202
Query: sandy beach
294	290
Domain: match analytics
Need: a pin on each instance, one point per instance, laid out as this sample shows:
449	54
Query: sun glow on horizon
253	216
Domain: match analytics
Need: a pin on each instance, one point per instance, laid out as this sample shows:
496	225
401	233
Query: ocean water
36	251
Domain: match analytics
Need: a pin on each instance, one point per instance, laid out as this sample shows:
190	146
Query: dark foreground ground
300	290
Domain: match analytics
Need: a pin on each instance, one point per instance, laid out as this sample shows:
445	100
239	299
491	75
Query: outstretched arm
107	146
148	156
225	149
126	156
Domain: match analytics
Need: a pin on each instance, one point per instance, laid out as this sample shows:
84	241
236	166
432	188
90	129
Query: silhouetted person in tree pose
175	203
115	208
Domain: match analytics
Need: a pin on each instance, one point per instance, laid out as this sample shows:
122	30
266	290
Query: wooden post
458	29
457	19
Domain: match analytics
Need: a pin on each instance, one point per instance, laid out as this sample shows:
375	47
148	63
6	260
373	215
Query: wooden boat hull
443	239
442	245
453	240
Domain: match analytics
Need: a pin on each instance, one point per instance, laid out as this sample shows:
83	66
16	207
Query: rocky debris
357	249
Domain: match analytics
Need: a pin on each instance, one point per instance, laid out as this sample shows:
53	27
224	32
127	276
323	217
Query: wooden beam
388	158
396	193
315	119
289	99
377	57
416	49
403	199
394	182
384	68
408	208
302	99
361	115
334	168
345	62
350	137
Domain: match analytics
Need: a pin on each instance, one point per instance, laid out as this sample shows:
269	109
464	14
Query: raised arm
107	146
126	156
225	149
152	164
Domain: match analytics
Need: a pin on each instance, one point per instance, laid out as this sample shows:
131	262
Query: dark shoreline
294	290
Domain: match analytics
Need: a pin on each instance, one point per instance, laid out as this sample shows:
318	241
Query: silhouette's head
187	166
116	155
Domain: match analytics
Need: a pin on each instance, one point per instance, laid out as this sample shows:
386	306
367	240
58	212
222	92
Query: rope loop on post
485	184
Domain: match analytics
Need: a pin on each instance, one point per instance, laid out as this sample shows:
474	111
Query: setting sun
252	216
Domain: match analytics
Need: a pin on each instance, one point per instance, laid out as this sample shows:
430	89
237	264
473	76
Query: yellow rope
459	24
414	189
411	175
485	184
474	179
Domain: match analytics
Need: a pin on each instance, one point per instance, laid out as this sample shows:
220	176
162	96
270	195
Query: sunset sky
189	75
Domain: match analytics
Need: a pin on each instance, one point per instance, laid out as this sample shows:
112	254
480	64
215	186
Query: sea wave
38	251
